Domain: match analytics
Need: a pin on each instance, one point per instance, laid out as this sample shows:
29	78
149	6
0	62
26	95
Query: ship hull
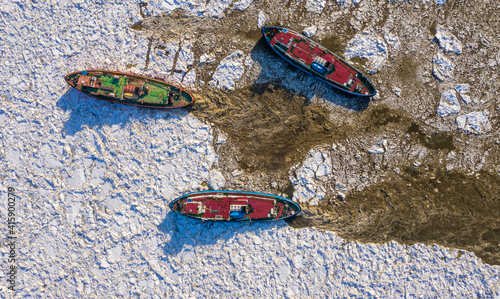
317	61
129	89
237	206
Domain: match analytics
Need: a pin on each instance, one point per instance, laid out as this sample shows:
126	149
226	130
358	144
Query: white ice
442	67
315	6
369	45
392	40
463	90
261	21
475	122
212	9
448	103
310	31
447	41
316	166
377	149
229	71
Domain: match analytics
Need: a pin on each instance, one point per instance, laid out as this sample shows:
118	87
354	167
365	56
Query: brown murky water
447	208
270	129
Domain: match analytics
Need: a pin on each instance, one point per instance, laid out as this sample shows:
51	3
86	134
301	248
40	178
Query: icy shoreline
94	181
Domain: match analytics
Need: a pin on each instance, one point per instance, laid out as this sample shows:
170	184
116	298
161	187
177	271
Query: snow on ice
463	90
448	42
206	59
474	122
442	67
229	71
94	180
448	104
380	148
317	165
310	31
261	21
392	40
199	8
368	45
315	6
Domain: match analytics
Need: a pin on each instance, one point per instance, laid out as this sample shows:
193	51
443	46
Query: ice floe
77	179
474	122
368	45
242	4
442	67
229	71
447	41
448	104
463	90
310	31
316	166
216	180
392	40
217	8
380	148
214	9
185	59
261	21
206	59
315	6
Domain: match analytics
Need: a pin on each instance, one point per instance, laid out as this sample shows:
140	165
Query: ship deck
220	205
318	61
122	88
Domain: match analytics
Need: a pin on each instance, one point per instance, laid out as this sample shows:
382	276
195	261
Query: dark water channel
451	209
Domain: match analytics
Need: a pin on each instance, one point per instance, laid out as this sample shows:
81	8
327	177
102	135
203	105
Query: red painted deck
282	37
304	51
301	51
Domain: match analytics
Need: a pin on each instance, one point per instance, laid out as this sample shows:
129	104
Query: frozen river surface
93	181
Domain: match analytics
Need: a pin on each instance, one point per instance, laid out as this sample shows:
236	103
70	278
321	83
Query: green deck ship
129	89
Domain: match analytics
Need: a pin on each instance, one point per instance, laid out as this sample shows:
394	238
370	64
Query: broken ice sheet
448	104
229	71
448	42
474	122
310	31
81	248
463	89
442	67
369	45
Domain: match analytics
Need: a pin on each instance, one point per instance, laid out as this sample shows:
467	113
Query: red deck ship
234	206
317	61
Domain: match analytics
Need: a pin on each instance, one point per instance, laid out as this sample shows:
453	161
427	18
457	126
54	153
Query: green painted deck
129	89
